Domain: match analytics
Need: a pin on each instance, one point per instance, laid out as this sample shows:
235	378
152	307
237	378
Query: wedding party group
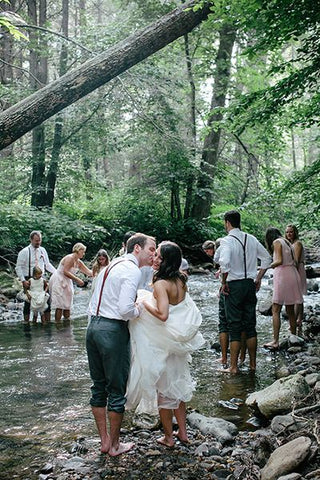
144	326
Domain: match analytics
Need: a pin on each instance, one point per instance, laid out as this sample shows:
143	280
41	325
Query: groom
108	343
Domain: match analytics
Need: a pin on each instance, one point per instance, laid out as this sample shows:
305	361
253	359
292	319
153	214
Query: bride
162	338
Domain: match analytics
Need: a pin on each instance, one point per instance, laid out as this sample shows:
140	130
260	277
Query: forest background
226	116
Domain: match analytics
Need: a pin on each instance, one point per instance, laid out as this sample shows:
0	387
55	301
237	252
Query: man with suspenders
108	342
239	253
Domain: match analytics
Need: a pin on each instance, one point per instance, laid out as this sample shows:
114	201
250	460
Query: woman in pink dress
61	282
292	235
286	283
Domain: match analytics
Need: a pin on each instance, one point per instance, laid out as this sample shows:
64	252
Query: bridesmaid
286	283
292	235
101	261
61	282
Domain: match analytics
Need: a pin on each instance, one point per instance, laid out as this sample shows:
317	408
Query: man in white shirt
32	256
238	257
108	342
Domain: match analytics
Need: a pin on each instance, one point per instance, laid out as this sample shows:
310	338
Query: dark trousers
108	349
240	309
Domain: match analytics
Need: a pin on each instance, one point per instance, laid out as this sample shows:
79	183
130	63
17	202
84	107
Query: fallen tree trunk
33	110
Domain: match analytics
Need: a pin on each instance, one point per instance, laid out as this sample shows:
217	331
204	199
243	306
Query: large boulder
222	430
286	458
279	397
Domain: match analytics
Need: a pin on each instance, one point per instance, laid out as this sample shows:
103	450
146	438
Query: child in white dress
37	294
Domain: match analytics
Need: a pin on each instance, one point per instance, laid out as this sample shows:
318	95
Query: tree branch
51	99
23	70
36	27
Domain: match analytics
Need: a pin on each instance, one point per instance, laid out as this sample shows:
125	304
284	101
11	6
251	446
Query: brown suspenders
106	273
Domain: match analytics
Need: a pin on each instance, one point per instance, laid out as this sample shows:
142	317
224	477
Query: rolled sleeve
264	257
21	264
225	256
128	293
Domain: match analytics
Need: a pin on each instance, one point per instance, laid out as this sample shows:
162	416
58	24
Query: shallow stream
45	384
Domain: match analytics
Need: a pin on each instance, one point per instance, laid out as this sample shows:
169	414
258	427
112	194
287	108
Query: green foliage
14	31
59	231
123	210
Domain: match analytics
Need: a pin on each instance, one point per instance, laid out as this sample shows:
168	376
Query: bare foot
182	438
271	345
165	442
105	446
223	361
229	370
122	448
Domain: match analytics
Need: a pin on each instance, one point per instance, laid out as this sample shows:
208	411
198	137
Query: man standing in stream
108	341
239	252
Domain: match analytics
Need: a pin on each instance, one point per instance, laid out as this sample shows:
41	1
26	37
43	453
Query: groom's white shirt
119	291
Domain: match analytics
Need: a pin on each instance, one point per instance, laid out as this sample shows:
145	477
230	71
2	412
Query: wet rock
317	387
278	397
286	424
223	430
291	476
312	379
221	474
48	468
265	305
202	449
284	344
286	458
283	372
294	349
77	464
314	475
294	340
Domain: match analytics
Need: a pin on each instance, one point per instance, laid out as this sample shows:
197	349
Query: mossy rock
8	284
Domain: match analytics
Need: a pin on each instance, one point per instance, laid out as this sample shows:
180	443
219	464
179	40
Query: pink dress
286	280
61	289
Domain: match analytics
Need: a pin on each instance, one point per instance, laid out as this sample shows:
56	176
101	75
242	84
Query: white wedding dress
160	356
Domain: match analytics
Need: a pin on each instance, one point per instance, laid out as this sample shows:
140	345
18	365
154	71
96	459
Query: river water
45	383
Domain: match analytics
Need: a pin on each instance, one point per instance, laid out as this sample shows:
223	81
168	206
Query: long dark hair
171	261
272	234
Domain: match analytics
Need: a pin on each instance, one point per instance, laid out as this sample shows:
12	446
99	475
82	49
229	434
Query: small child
37	294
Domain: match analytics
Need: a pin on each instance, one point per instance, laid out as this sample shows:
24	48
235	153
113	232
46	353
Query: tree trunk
175	213
203	197
293	149
6	71
193	128
38	70
58	126
32	111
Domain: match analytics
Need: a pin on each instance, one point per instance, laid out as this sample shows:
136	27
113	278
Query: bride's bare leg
180	414
166	420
